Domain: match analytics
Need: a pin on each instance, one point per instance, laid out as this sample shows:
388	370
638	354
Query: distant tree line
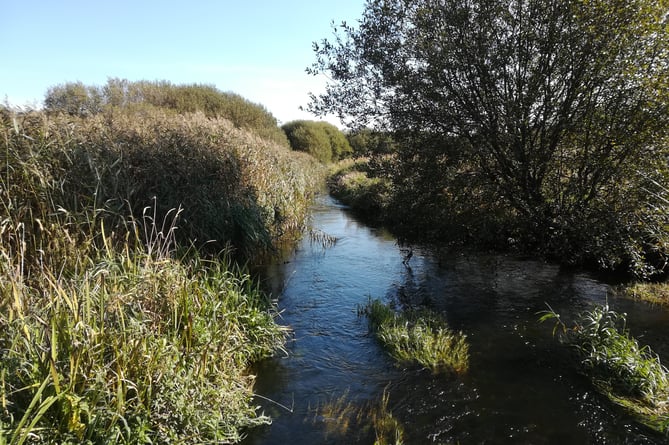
79	99
322	140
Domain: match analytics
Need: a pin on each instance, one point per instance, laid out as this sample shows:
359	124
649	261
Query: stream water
521	387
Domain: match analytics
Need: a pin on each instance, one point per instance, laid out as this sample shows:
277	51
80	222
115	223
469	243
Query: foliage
552	115
80	100
322	140
74	98
131	347
628	374
367	142
113	327
368	196
418	336
656	293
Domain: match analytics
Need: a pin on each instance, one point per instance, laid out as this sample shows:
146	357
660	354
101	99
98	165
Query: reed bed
123	315
236	189
419	336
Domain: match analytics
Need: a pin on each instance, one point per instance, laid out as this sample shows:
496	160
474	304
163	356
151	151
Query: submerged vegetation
418	336
123	315
628	374
350	422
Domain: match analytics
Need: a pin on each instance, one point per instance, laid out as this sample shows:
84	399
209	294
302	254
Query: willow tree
556	110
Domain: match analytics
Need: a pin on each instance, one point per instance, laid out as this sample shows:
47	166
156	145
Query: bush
322	140
368	142
80	100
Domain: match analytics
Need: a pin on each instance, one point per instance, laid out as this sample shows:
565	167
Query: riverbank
655	293
124	317
364	185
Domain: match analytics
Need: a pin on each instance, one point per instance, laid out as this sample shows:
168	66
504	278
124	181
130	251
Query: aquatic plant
418	336
346	420
628	374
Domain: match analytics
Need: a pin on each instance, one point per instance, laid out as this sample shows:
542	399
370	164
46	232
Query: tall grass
114	328
627	373
236	189
419	336
130	347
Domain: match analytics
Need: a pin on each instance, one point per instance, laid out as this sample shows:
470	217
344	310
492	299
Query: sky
256	48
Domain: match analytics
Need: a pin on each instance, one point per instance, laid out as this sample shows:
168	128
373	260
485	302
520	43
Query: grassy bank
656	293
353	182
123	318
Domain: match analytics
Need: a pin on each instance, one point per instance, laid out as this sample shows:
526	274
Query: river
520	389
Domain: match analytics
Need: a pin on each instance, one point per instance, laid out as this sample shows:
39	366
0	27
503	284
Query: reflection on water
520	388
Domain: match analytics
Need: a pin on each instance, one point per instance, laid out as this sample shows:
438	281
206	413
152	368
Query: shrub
368	142
80	100
322	140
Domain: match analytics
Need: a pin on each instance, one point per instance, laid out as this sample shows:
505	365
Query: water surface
521	387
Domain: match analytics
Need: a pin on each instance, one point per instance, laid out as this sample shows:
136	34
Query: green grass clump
130	348
630	375
419	336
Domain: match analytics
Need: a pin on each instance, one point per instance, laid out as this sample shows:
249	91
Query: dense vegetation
537	125
78	99
322	140
123	318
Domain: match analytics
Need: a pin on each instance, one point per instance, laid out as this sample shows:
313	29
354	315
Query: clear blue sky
256	48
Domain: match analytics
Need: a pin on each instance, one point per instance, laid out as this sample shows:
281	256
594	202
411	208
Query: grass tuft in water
347	421
628	374
418	336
